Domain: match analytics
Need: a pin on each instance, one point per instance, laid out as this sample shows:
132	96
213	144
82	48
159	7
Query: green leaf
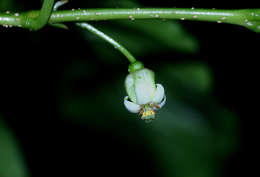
169	34
12	163
191	78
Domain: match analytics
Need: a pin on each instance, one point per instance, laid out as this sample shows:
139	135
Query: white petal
144	86
163	102
159	94
144	93
130	106
129	85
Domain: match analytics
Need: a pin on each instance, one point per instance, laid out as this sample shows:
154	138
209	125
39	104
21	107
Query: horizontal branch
249	18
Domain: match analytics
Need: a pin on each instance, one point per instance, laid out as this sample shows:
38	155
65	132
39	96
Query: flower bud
144	96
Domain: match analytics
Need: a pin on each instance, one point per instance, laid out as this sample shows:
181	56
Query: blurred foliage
12	5
194	76
11	159
7	4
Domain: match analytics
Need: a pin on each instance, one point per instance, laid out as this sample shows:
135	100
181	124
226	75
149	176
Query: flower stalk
107	38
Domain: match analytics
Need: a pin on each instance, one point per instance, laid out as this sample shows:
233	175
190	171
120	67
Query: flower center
147	112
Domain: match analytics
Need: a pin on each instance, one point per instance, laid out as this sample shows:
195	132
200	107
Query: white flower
144	96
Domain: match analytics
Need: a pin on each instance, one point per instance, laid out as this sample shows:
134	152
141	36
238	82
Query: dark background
37	79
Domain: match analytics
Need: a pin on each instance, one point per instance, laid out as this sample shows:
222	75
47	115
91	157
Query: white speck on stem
16	14
131	17
219	21
195	16
138	9
182	18
84	11
77	18
7	12
249	24
223	18
192	8
73	9
156	15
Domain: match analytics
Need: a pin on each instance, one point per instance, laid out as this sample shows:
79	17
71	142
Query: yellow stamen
148	113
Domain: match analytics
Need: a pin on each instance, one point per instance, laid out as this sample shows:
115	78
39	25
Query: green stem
31	20
118	46
42	19
249	18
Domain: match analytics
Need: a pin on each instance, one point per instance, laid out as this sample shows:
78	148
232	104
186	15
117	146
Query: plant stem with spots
249	18
42	18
